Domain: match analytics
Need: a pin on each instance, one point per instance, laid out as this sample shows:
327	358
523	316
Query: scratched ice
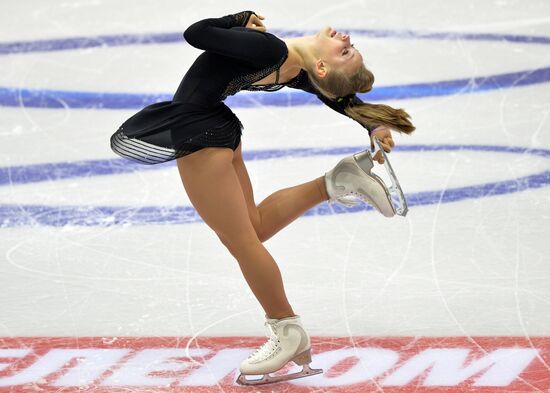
93	245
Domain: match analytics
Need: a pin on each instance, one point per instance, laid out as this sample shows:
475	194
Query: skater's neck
300	53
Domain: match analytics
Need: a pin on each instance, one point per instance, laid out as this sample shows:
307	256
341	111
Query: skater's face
334	49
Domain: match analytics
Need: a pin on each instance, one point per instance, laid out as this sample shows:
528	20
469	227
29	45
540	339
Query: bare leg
284	206
214	190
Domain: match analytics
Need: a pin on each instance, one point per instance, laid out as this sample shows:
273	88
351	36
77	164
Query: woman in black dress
198	130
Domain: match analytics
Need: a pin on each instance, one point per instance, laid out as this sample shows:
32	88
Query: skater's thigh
246	186
213	187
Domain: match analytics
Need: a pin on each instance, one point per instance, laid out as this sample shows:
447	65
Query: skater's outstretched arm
339	105
383	133
240	36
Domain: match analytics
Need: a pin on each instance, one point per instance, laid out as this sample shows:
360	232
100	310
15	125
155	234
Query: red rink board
210	364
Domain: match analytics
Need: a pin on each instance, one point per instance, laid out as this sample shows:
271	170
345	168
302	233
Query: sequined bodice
245	82
277	86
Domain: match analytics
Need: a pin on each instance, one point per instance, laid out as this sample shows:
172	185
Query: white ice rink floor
110	282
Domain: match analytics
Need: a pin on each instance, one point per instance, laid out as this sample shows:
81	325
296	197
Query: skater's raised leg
283	206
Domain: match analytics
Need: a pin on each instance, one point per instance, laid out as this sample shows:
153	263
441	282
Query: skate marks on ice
210	364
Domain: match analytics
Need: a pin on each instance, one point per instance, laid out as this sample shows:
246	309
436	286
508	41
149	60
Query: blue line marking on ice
58	216
99	100
106	41
44	98
35	173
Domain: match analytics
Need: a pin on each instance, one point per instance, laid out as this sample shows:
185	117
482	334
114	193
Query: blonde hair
337	84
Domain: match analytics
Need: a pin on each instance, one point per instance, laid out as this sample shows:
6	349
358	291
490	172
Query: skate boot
352	176
288	341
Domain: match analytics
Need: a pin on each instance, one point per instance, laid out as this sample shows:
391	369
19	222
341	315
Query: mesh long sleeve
340	105
337	105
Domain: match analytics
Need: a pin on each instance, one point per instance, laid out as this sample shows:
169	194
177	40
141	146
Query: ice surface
478	265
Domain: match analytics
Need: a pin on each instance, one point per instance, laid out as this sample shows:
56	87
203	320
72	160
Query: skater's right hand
383	134
255	23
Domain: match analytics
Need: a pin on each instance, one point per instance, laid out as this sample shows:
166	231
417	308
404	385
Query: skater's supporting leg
283	206
213	187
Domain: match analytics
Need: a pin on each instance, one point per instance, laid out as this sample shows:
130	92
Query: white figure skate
288	341
353	176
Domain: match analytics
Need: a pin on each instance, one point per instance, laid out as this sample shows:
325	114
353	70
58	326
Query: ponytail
337	84
380	115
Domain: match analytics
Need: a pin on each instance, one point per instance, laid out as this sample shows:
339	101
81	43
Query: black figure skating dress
234	58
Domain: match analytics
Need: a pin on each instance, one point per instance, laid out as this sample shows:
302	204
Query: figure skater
204	136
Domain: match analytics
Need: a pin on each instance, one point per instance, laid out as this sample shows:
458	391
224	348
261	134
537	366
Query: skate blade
267	378
398	197
384	204
394	192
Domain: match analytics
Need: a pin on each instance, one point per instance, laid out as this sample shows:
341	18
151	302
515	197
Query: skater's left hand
383	134
255	23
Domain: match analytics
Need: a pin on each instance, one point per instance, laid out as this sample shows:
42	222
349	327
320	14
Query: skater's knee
263	236
237	244
232	240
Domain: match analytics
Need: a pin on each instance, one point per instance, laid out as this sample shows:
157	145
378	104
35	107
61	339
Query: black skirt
168	130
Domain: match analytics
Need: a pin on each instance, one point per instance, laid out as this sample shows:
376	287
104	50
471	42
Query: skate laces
268	347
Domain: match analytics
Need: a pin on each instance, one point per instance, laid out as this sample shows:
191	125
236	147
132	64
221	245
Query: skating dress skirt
234	58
